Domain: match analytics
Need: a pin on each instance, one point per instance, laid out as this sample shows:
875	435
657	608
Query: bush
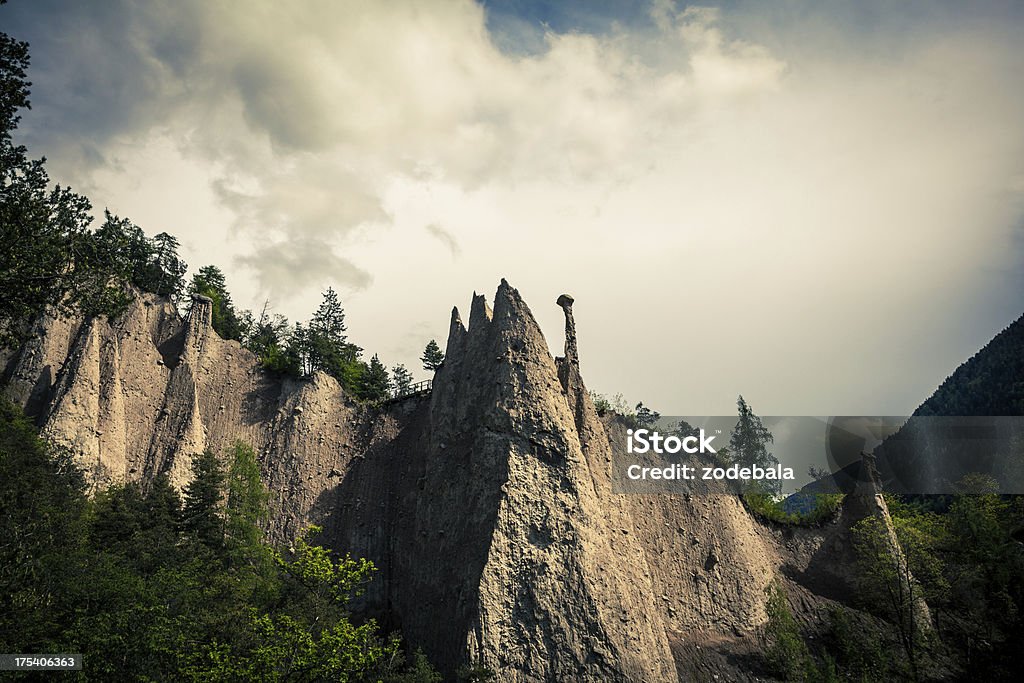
765	505
787	654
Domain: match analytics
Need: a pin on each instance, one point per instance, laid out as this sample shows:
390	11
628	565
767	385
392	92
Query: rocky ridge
487	505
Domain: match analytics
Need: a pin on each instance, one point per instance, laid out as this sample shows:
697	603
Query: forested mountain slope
991	382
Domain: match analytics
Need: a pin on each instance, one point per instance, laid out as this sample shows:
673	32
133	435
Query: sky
819	205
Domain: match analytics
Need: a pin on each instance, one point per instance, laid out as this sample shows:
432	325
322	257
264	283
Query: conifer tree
432	356
328	347
376	383
246	507
210	282
401	379
748	443
202	515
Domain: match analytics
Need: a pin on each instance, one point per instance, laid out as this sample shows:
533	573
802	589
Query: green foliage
322	345
210	282
475	673
748	444
266	338
418	671
202	517
401	379
856	645
765	505
786	653
51	258
894	581
42	524
164	273
990	383
145	597
376	384
601	403
246	507
311	638
645	417
328	346
984	615
432	356
617	404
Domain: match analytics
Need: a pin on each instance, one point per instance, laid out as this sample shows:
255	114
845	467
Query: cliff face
487	505
141	395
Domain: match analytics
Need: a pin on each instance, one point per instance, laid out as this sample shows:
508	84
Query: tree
202	516
432	356
329	319
210	282
246	507
401	378
265	337
148	595
645	417
985	570
311	638
42	504
376	383
46	259
295	357
787	654
684	429
328	348
899	570
166	272
748	443
817	473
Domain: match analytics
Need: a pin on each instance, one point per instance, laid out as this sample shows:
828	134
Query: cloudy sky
818	205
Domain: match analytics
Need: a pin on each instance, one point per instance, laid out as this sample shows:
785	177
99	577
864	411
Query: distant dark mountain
990	383
923	456
929	455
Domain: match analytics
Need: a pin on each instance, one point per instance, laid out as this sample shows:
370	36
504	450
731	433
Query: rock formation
487	505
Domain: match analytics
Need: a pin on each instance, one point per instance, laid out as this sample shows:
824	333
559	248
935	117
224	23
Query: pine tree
432	356
645	417
376	383
202	517
210	282
166	272
328	346
265	337
748	443
161	509
401	378
329	319
247	498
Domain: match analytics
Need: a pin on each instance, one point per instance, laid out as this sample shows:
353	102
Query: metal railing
420	388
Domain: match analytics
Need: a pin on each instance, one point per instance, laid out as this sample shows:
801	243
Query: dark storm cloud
101	70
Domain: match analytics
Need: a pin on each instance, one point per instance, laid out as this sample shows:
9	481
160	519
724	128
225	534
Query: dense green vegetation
963	562
990	383
150	586
767	506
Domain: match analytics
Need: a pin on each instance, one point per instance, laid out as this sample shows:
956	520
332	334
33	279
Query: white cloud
835	213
